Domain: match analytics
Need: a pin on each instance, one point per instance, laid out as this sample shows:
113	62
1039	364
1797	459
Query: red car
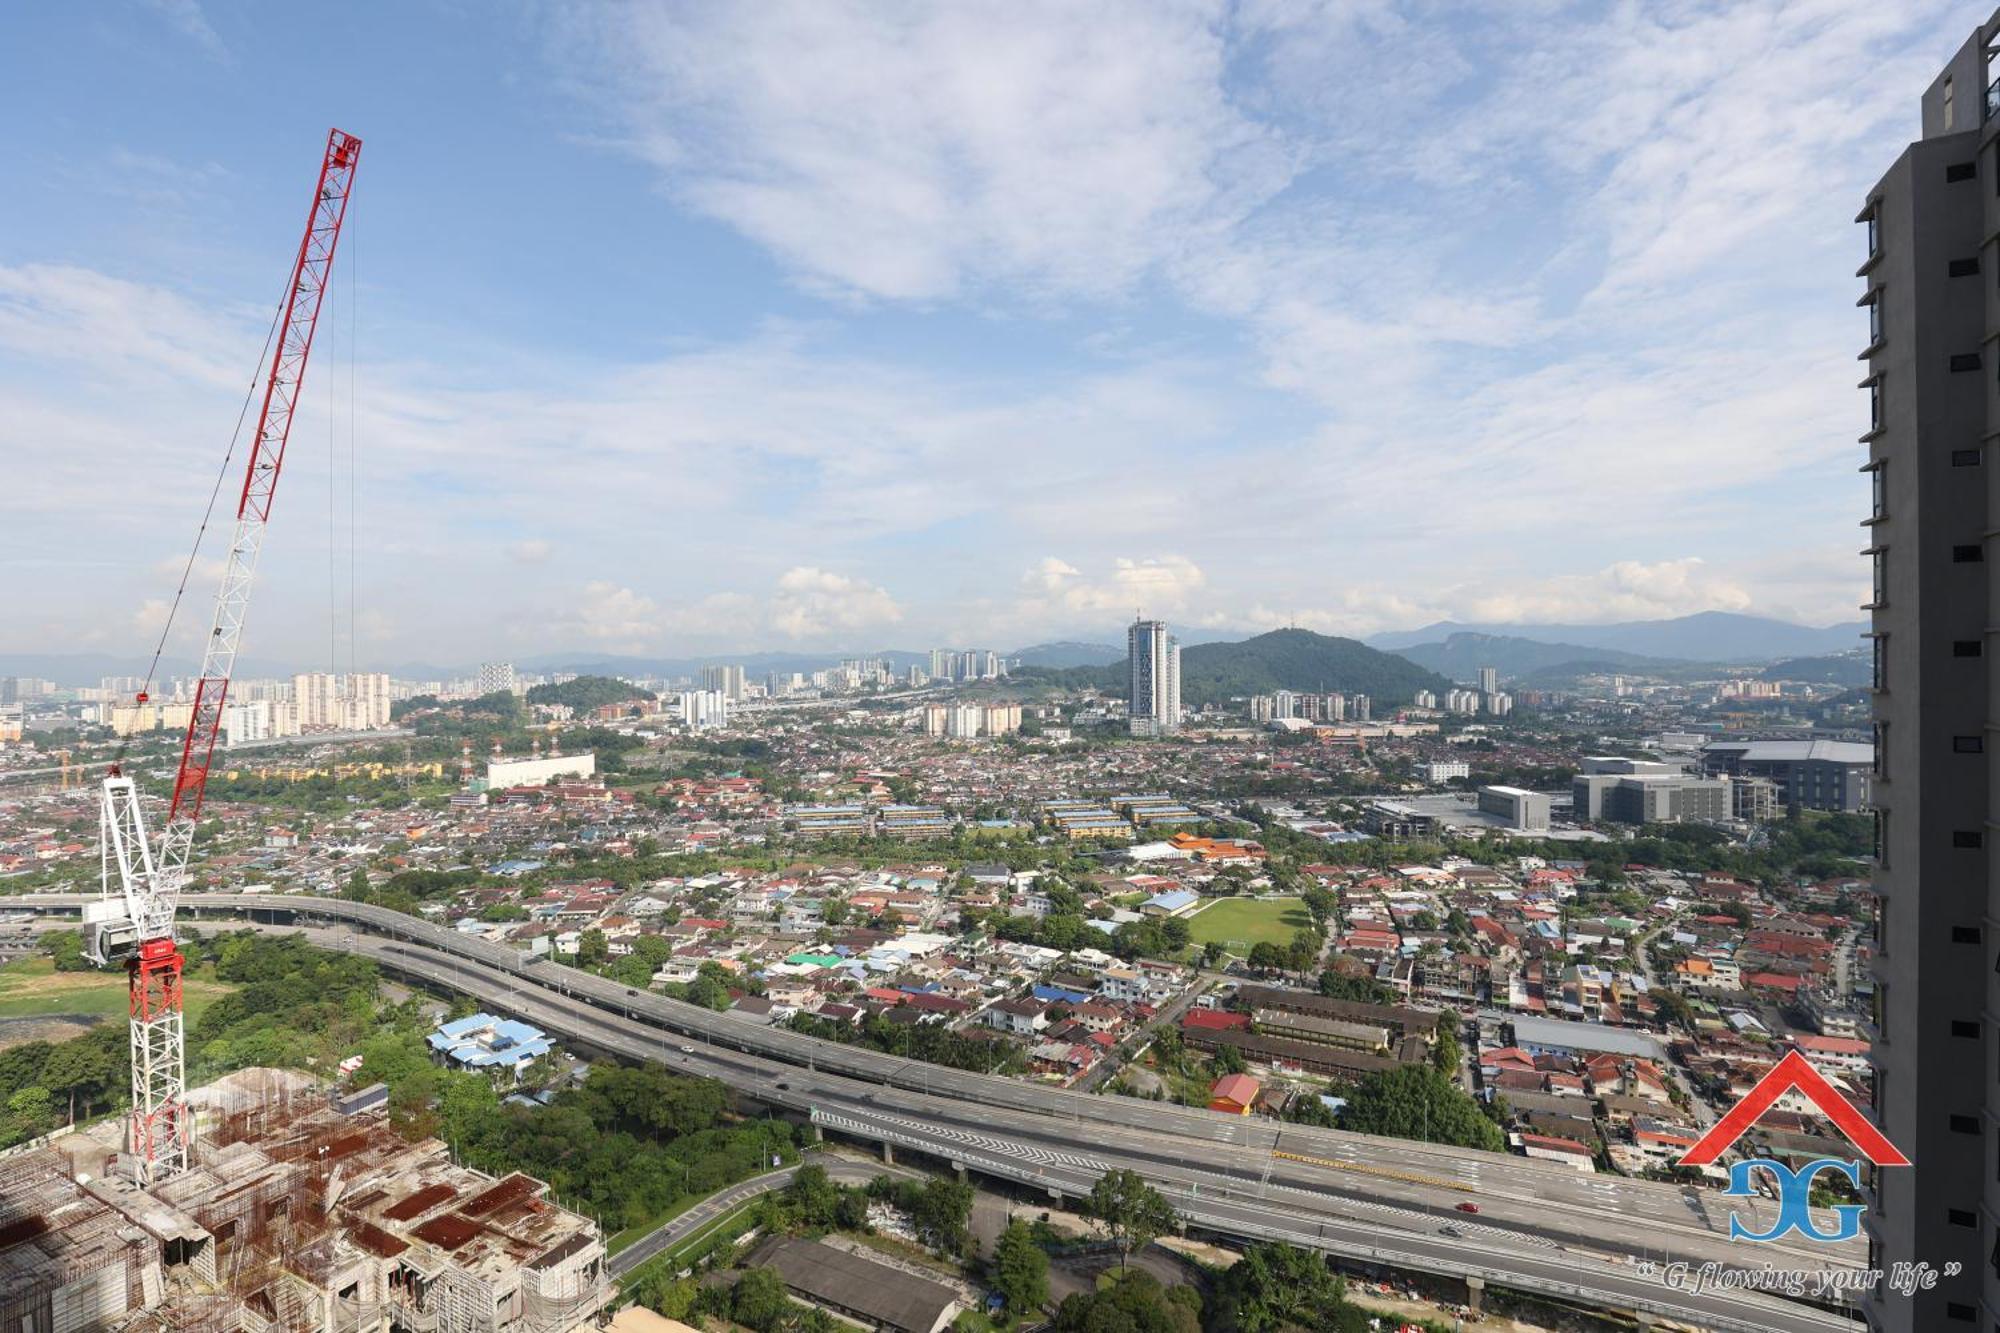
1468	1207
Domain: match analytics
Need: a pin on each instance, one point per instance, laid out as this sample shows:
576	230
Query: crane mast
134	920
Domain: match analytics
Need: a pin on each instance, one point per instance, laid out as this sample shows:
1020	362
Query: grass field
1239	924
32	988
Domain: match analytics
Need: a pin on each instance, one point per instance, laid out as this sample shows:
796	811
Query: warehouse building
1813	775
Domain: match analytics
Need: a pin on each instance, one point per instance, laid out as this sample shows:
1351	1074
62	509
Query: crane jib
282	386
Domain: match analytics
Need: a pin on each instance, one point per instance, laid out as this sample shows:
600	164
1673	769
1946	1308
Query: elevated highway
1541	1228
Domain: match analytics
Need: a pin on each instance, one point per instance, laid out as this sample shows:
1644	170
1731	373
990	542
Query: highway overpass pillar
1475	1287
888	1153
959	1167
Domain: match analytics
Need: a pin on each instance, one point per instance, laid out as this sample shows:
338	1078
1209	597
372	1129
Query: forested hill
584	693
1284	659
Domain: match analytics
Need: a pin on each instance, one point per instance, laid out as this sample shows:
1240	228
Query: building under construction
293	1216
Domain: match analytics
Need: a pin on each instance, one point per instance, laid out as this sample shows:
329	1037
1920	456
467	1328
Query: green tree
760	1301
944	1212
1132	1213
813	1196
592	948
1268	957
1020	1270
66	948
1277	1286
1135	1303
1418	1102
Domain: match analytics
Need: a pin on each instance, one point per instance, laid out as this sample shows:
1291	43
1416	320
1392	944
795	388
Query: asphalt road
672	1232
1540	1227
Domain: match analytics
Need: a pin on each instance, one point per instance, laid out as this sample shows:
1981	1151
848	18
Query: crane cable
222	475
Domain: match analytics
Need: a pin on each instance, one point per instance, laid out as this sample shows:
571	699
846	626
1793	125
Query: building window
1879	1016
1961	1028
1965	458
1965	934
1881	838
1874	405
1968	745
1962	268
1950	105
1970	839
1954	172
1961	361
1963	1313
1881	563
1963	1124
1967	555
1878	490
1965	648
1881	761
1960	1217
1881	676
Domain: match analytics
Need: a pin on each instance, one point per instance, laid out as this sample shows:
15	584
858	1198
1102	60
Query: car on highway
784	1086
687	1050
1449	1230
1468	1207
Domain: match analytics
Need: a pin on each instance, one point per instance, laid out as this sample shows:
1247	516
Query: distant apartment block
498	677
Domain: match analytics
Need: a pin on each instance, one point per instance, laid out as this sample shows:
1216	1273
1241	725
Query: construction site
291	1216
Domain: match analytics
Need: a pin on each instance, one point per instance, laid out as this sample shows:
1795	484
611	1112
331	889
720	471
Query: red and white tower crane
134	919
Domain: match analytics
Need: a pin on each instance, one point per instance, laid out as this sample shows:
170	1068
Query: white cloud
812	603
531	550
915	152
615	617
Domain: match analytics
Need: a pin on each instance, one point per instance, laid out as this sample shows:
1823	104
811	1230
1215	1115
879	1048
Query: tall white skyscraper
1156	679
1489	680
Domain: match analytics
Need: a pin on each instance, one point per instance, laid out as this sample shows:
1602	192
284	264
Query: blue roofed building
1174	902
483	1041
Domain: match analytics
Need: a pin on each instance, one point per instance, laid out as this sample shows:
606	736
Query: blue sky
678	329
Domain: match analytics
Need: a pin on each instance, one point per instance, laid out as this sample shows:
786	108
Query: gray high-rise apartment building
1934	410
1156	679
1489	680
728	681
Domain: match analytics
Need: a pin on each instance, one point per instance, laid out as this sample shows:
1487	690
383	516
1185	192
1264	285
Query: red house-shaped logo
1789	1074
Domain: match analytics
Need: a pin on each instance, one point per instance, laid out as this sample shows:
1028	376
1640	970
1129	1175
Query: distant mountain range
1462	654
1285	659
1709	636
1067	654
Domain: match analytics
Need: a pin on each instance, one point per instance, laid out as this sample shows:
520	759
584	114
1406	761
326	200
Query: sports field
1240	924
33	988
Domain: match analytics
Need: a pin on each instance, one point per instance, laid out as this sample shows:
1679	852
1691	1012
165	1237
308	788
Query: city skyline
1176	349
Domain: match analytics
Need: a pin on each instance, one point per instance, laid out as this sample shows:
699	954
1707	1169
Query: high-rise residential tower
495	677
1156	679
1934	410
727	681
1489	680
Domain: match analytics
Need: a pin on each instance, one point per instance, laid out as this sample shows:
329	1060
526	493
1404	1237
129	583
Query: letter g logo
1794	1199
